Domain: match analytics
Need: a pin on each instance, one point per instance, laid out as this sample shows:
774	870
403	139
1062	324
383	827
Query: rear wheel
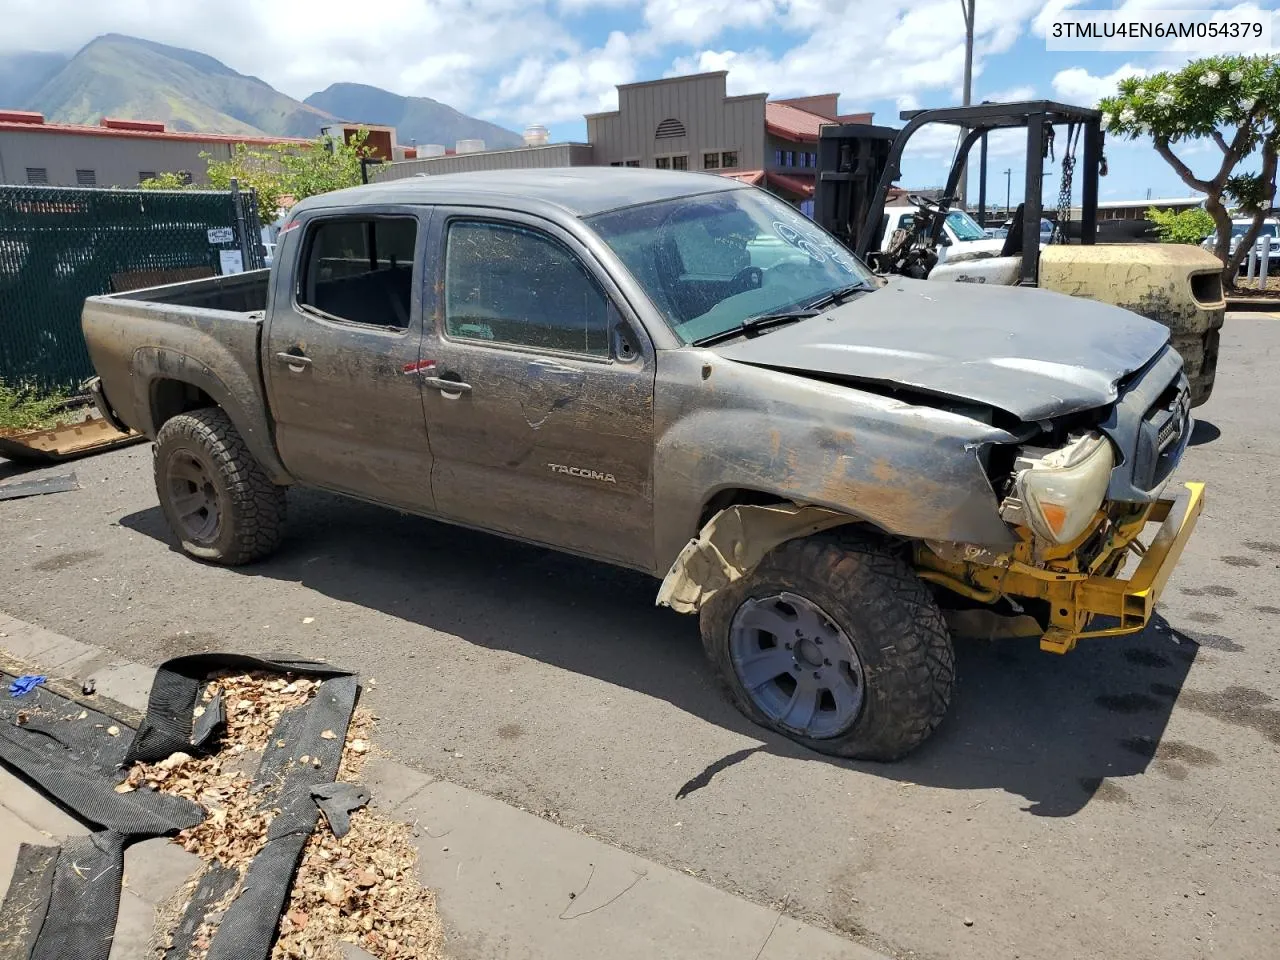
214	493
835	642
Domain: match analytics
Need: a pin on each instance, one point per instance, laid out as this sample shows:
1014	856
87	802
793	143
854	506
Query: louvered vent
669	128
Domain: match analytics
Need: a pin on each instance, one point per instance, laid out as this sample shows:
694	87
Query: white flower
1164	99
1107	120
1210	78
1127	115
1236	76
1247	104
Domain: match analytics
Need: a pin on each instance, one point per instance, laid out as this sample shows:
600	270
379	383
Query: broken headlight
1057	494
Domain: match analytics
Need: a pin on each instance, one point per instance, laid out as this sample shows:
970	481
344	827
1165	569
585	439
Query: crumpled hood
1033	353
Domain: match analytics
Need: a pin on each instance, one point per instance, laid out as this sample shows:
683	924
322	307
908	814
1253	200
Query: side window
360	269
510	284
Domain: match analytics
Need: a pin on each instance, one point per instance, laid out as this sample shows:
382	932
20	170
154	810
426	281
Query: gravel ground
1118	802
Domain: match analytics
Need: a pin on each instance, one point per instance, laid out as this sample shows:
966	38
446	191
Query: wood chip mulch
362	888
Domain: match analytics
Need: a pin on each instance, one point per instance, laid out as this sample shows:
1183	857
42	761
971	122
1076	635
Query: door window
360	269
510	284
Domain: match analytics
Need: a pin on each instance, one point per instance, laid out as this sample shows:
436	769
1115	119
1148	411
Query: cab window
510	284
360	269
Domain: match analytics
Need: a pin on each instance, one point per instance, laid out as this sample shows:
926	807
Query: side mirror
944	240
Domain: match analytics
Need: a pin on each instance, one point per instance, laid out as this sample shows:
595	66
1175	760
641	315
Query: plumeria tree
1233	101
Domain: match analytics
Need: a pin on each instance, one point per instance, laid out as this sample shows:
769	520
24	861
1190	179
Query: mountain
419	119
22	74
121	76
131	78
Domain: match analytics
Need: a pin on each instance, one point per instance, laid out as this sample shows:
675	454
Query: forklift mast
859	163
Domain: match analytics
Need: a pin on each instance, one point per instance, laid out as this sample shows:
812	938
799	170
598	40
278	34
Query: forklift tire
214	494
834	642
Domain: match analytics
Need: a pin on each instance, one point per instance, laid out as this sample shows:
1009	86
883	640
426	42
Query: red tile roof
74	129
791	184
784	119
761	178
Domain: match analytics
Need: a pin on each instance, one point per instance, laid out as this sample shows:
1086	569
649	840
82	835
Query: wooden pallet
66	442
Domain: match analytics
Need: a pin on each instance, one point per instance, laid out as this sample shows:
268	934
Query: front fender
909	470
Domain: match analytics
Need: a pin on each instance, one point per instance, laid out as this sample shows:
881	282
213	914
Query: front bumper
1076	599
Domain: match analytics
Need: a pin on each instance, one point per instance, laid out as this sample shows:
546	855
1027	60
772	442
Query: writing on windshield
712	261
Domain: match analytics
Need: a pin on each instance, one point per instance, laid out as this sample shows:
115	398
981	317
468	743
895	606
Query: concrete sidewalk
510	885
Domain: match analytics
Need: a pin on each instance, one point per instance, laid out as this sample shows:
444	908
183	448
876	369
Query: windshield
964	226
713	261
1240	229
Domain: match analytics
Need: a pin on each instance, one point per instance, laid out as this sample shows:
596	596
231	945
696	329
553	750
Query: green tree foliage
281	171
1232	100
164	181
1181	226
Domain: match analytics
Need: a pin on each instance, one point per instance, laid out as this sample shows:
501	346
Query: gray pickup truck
683	375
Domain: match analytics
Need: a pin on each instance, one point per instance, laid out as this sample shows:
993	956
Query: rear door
538	389
340	353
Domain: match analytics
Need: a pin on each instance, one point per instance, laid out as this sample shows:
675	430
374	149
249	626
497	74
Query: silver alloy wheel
194	498
797	665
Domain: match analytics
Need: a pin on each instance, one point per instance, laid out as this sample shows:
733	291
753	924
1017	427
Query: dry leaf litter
362	888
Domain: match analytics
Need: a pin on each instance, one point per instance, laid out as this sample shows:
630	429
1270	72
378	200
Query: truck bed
204	334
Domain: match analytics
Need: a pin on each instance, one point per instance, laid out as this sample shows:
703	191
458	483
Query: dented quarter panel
910	470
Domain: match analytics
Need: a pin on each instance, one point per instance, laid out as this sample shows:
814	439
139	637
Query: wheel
214	494
834	642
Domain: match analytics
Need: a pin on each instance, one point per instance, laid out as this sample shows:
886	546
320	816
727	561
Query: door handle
445	385
293	359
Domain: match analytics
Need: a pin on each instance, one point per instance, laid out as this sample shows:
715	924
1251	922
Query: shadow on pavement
1058	731
1204	431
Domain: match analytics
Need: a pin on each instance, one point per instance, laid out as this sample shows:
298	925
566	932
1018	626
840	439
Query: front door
341	352
538	390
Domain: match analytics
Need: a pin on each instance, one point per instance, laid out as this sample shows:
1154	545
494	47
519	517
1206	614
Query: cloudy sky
549	61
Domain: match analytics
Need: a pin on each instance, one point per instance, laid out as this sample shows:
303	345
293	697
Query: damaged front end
1063	592
1078	510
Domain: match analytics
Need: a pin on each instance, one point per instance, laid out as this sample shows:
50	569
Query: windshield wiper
755	325
839	296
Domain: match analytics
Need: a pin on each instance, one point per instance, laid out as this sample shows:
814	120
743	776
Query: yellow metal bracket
1072	587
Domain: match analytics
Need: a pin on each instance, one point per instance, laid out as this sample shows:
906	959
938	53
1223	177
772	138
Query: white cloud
1012	94
554	91
1077	85
907	51
697	21
447	49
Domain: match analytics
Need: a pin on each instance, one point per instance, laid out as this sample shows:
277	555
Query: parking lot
1118	802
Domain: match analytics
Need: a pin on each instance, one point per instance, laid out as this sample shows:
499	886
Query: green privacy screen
59	245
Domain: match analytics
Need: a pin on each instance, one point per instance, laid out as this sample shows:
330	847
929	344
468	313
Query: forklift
1177	285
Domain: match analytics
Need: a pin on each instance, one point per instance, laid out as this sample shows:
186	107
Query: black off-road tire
888	614
251	507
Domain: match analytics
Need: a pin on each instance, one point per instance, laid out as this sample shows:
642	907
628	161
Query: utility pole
966	7
1008	180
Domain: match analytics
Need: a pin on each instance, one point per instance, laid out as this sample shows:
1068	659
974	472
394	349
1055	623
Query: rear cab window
506	283
359	269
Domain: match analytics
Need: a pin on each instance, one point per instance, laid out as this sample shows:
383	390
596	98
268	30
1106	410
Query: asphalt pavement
1119	801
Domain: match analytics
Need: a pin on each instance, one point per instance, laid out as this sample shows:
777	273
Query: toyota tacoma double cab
683	375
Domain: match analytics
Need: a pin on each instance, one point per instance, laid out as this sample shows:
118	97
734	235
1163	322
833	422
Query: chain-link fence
59	245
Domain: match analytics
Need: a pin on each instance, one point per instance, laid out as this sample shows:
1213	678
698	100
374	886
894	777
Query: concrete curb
510	885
